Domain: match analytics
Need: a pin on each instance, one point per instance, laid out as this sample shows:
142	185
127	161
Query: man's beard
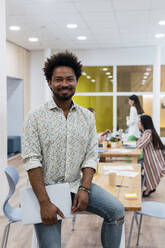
63	97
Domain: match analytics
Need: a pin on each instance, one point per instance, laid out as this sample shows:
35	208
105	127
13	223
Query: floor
87	228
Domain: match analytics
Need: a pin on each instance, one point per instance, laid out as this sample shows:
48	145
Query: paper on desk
121	150
123	173
118	168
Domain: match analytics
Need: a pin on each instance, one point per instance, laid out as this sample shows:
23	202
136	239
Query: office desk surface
133	183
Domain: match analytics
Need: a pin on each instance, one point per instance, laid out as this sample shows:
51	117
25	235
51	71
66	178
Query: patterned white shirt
62	147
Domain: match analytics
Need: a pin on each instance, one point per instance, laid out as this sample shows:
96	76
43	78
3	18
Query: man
60	141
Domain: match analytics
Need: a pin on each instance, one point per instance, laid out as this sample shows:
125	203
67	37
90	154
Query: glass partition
134	78
123	109
162	116
96	79
103	106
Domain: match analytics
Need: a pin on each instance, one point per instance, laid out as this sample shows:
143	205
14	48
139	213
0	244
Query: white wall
118	56
14	106
38	84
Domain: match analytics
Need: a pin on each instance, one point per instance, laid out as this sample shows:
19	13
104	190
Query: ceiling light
146	73
88	77
105	69
72	25
81	37
14	28
107	73
93	80
145	77
110	77
143	82
159	36
162	22
33	39
148	69
84	73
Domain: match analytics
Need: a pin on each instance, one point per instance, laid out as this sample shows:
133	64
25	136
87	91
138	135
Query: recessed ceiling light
159	36
81	37
110	77
148	69
146	73
145	77
162	22
14	28
105	69
33	39
107	73
71	25
93	80
84	73
88	77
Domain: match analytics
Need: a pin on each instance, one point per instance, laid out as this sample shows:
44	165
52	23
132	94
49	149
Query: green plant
113	139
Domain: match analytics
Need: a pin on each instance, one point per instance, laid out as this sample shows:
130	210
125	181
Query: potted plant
114	141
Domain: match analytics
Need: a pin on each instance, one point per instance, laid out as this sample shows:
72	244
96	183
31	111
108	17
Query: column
47	91
156	89
114	98
3	105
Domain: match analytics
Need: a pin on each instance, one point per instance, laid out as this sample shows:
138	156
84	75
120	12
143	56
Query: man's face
63	83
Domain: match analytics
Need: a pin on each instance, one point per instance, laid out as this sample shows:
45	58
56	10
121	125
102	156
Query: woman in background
154	162
132	120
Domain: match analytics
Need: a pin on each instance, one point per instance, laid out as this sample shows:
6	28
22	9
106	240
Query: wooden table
122	153
133	183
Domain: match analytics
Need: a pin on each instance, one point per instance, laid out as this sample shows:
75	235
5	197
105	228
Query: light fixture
93	80
105	69
162	22
14	28
148	69
107	73
33	39
159	36
110	77
81	37
84	73
145	77
143	81
146	73
72	25
88	77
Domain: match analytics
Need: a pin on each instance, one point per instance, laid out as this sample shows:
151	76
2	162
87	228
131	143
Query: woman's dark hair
137	105
62	59
147	123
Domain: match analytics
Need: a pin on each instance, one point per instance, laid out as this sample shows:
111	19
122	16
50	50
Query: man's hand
80	201
49	213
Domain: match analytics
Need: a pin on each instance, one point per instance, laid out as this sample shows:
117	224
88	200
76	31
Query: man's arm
47	209
81	199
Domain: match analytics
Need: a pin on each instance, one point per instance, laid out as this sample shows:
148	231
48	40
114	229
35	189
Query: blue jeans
102	204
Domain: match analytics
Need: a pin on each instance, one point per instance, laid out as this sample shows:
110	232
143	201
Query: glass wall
96	79
162	102
123	108
103	106
134	78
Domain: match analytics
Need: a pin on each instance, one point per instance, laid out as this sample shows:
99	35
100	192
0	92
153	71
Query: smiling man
60	141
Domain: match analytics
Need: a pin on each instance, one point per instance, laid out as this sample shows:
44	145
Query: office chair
12	213
149	208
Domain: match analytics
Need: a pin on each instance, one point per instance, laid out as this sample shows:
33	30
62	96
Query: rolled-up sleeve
91	157
31	149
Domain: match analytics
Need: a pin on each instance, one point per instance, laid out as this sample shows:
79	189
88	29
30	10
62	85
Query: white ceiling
106	23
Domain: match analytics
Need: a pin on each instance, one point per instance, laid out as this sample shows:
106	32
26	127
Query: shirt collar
53	105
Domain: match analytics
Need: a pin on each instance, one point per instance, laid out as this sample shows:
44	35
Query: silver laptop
59	194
